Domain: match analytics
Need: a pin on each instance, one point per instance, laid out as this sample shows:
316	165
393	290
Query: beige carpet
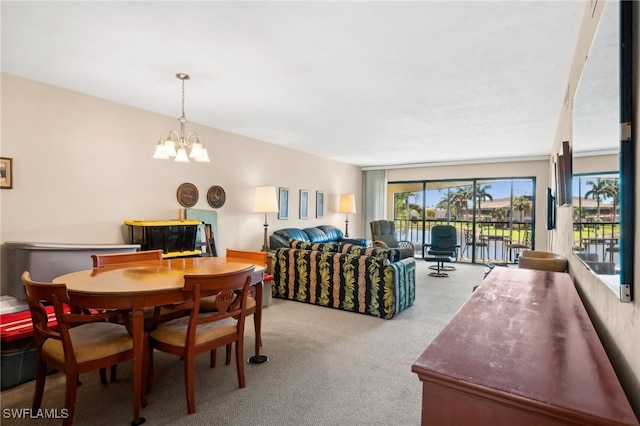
326	367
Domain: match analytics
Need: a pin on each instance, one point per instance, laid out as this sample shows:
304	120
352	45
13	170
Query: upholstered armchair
383	233
543	261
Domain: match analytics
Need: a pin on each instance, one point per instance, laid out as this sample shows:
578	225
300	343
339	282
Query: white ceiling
366	83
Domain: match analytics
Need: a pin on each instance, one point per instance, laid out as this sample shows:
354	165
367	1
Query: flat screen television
551	210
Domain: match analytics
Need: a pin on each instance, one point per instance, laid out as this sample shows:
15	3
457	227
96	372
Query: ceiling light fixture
176	144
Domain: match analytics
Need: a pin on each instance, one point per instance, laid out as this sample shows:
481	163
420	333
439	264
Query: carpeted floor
326	367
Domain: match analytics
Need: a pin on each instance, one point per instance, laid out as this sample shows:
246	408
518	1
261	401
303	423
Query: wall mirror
603	225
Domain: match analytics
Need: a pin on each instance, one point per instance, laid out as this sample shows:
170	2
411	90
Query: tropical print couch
372	281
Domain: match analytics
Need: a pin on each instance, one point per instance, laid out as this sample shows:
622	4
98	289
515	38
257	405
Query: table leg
503	247
137	325
258	359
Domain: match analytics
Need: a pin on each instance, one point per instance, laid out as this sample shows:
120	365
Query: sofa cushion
333	233
320	234
316	235
293	234
303	245
383	254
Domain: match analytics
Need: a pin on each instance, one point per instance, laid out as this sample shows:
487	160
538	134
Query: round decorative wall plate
187	195
216	196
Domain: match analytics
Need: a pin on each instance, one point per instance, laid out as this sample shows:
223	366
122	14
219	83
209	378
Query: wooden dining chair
106	259
167	313
204	332
208	303
79	343
110	259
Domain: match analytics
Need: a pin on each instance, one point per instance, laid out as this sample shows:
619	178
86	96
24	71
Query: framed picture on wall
304	204
562	195
319	204
283	201
6	173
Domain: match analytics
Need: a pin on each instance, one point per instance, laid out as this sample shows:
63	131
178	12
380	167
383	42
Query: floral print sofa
371	281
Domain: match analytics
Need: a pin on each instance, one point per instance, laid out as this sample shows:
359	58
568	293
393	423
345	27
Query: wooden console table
521	351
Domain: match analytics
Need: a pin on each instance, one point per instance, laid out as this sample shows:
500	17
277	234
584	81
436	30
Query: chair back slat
104	259
231	291
38	294
255	256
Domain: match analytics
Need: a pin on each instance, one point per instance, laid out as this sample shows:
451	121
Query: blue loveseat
319	234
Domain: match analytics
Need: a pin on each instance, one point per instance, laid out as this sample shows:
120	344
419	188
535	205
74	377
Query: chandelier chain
183	116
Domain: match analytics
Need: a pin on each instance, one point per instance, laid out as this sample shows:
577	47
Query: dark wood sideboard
521	351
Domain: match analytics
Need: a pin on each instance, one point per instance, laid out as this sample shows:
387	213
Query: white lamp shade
169	148
182	156
347	203
159	153
266	200
204	156
196	150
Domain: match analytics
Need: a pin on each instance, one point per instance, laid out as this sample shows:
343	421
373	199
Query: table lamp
347	205
266	201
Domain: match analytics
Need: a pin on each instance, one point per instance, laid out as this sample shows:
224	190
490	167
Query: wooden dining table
140	285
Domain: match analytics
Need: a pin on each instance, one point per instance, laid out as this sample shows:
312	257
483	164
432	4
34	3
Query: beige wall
82	165
617	324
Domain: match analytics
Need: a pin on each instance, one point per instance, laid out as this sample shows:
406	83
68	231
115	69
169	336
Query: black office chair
442	249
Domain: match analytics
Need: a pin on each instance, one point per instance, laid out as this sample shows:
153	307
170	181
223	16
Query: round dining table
139	285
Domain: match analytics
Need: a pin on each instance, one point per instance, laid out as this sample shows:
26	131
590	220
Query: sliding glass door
494	218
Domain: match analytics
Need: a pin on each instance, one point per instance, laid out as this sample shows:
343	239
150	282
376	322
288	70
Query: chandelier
177	144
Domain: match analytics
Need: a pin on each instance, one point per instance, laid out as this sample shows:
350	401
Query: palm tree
482	195
597	192
612	189
461	198
521	203
402	203
447	202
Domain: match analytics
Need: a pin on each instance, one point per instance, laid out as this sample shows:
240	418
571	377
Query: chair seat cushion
439	258
389	240
175	332
92	341
517	246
